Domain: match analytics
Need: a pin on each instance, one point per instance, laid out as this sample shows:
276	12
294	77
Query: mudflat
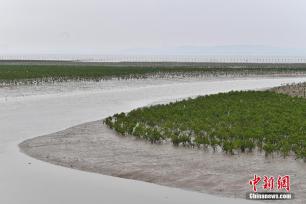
95	148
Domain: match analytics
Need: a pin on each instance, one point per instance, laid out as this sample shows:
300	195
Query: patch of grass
234	121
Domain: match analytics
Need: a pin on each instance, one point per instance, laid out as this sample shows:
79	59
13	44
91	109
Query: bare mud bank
93	147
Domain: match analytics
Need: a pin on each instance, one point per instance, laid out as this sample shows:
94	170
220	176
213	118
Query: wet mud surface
95	148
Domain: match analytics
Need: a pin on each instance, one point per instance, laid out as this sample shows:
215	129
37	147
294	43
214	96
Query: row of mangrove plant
27	73
234	121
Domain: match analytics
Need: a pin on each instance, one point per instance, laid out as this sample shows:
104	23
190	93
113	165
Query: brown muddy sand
95	148
296	90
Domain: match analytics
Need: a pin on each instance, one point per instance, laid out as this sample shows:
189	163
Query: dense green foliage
12	73
234	121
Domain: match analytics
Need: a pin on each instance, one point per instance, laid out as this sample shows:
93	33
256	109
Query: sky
151	26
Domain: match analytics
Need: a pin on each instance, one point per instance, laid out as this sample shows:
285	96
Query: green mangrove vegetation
234	122
36	72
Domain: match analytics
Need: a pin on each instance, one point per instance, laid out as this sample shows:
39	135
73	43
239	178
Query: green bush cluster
234	121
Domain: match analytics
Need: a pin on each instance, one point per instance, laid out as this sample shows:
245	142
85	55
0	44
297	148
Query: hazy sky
105	26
